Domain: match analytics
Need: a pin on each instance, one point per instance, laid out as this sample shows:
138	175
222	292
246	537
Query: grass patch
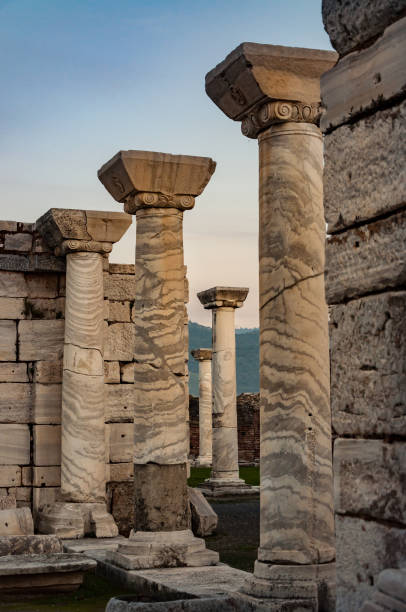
199	475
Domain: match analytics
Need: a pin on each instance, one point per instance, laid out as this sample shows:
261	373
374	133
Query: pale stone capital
223	297
147	179
202	354
265	84
70	230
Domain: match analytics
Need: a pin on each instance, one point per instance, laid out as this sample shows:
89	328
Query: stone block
44	496
14	444
26	476
23	494
47	262
45	308
16	263
8	339
12	308
15	402
121	495
29	545
16	521
119	311
368	477
10	476
111	372
18	242
8	226
127	373
7	502
13	372
119	342
46	476
115	268
120	472
365	80
41	340
368	365
47	444
364	176
48	371
121	442
204	519
42	285
367	258
393	582
120	286
47	404
13	284
119	403
355	23
364	549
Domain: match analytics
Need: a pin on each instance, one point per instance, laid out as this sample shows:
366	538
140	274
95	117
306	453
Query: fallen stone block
29	545
204	519
16	521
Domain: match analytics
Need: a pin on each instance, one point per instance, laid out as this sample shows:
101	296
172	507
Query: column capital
147	179
223	297
260	85
72	231
202	354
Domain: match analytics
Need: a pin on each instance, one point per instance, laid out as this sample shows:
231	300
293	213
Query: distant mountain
247	356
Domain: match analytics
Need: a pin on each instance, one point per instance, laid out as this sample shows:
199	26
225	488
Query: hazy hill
247	350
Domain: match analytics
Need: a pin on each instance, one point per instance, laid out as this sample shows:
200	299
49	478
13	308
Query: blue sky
82	79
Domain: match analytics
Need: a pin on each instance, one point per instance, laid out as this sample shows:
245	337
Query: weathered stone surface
368	258
8	338
356	23
42	285
102	524
10	476
364	79
119	472
26	476
127	373
29	545
204	519
364	176
364	549
41	340
43	496
119	286
368	365
119	311
7	502
17	242
393	582
13	284
115	268
47	444
23	494
16	521
8	226
155	486
46	476
13	372
45	308
368	476
14	444
121	442
121	506
45	563
111	372
119	342
12	308
223	297
47	404
15	402
119	403
48	371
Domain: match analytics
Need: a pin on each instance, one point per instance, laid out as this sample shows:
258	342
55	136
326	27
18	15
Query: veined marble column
85	237
275	92
223	301
204	357
158	187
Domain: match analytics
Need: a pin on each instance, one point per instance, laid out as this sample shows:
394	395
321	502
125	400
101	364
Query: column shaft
225	437
83	470
297	524
205	412
160	429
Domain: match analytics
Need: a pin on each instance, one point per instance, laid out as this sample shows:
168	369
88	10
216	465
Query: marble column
223	301
275	92
85	238
204	357
158	188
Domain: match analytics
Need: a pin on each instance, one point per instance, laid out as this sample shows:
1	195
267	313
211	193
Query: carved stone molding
278	112
157	200
75	246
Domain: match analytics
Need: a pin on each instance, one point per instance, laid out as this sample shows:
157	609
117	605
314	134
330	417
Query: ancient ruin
204	357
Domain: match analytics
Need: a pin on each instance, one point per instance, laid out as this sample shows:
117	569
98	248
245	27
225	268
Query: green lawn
198	475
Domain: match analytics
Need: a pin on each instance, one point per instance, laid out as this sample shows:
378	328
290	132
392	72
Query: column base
312	583
151	549
70	520
220	487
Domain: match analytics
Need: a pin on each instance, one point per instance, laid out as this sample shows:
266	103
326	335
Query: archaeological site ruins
98	433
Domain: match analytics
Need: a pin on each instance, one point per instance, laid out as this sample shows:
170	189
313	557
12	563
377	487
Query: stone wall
248	427
32	301
365	195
